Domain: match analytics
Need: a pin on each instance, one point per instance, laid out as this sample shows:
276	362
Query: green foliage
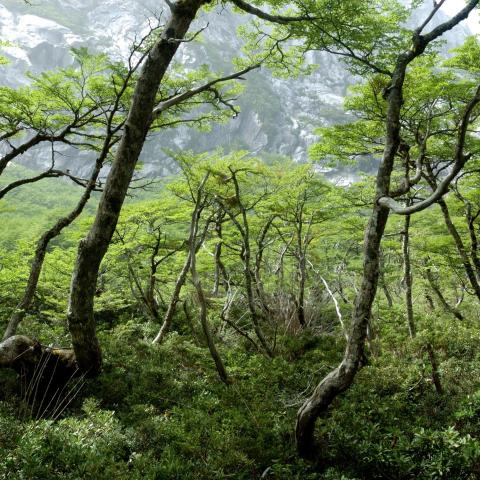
159	411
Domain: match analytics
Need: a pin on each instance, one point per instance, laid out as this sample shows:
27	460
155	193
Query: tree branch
157	111
459	162
283	20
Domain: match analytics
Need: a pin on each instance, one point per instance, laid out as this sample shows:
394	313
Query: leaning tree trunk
342	377
93	248
338	380
172	306
461	249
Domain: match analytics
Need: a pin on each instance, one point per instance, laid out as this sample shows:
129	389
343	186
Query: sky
451	7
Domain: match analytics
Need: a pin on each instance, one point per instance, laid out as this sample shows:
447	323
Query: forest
243	314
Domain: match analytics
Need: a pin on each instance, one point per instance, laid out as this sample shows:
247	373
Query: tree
302	209
140	117
339	379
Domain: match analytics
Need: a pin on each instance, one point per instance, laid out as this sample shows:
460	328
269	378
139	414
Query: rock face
278	116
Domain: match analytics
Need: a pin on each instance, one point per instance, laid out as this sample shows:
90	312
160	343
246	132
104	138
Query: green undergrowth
160	412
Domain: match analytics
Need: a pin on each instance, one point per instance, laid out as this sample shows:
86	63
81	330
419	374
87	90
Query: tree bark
407	277
93	248
199	205
342	377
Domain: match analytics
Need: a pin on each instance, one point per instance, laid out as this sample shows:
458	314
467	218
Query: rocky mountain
278	116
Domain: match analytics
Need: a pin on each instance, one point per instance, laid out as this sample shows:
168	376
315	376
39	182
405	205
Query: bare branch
436	8
283	20
195	91
188	40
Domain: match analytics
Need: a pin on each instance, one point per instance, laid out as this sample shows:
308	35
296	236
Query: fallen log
47	374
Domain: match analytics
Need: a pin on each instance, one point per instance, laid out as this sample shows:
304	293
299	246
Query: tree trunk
407	272
222	372
342	377
93	248
172	306
435	371
462	251
199	205
446	306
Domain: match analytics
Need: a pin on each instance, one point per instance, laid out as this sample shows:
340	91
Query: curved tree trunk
93	248
342	377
